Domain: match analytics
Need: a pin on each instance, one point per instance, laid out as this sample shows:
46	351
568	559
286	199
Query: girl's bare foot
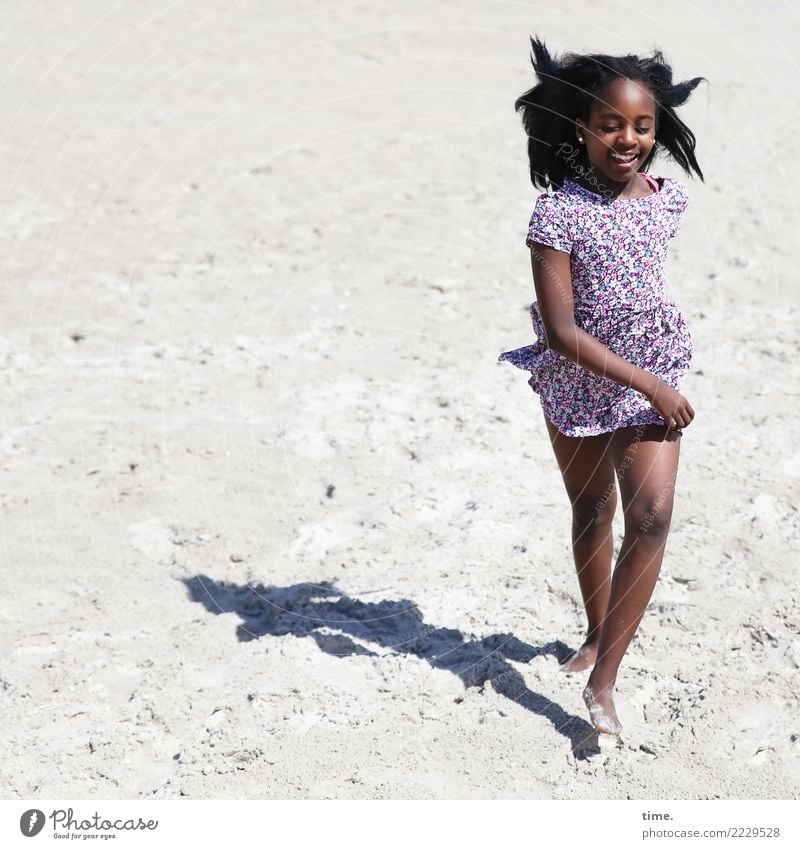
601	710
582	659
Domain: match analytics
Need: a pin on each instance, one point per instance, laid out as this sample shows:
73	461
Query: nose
627	136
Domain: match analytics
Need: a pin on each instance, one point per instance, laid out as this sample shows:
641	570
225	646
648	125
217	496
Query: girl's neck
636	187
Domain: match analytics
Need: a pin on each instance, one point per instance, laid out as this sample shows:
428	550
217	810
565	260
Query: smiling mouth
623	157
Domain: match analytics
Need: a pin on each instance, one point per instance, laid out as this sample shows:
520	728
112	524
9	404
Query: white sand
274	519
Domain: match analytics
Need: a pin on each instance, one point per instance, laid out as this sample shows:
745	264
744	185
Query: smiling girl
611	346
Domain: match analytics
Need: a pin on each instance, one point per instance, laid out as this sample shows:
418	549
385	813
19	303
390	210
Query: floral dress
618	251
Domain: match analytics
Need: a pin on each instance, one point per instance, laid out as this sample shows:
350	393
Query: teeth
624	158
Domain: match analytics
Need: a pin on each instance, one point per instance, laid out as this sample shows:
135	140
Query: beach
276	524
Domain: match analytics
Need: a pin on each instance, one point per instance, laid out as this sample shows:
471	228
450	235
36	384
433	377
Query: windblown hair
568	88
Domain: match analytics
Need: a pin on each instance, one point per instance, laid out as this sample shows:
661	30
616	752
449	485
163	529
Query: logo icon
31	822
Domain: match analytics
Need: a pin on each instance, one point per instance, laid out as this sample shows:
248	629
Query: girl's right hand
671	405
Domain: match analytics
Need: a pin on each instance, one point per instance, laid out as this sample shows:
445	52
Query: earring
580	139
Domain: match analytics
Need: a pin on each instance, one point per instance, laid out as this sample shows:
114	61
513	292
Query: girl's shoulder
551	223
556	201
672	185
675	197
676	194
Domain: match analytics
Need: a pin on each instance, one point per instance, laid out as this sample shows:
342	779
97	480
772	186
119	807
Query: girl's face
621	130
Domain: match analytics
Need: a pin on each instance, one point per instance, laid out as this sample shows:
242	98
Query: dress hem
646	417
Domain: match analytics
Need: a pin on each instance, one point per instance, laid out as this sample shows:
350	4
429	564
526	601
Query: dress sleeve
550	224
676	203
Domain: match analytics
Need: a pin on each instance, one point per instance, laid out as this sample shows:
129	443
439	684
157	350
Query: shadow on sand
333	619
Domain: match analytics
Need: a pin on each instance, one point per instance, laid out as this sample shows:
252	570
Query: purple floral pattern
618	250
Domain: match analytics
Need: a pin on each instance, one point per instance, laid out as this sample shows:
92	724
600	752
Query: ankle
600	682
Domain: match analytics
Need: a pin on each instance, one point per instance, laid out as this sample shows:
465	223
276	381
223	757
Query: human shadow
335	621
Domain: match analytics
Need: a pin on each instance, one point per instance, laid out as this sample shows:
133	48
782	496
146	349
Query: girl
611	346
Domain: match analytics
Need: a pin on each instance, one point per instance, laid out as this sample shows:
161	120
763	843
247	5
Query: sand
275	523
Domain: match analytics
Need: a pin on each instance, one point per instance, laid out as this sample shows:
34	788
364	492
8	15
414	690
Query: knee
650	518
597	511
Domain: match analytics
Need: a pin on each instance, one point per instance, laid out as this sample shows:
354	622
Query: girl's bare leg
646	461
587	467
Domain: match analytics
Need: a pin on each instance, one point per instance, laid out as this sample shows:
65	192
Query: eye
644	130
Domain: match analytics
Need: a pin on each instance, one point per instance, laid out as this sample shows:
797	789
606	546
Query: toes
603	720
577	664
580	660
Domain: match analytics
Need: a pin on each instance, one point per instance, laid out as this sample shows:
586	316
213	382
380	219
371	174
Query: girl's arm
553	282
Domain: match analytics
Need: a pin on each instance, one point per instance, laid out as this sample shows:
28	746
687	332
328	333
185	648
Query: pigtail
548	118
671	132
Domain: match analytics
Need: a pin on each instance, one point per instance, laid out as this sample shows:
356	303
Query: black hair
567	90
